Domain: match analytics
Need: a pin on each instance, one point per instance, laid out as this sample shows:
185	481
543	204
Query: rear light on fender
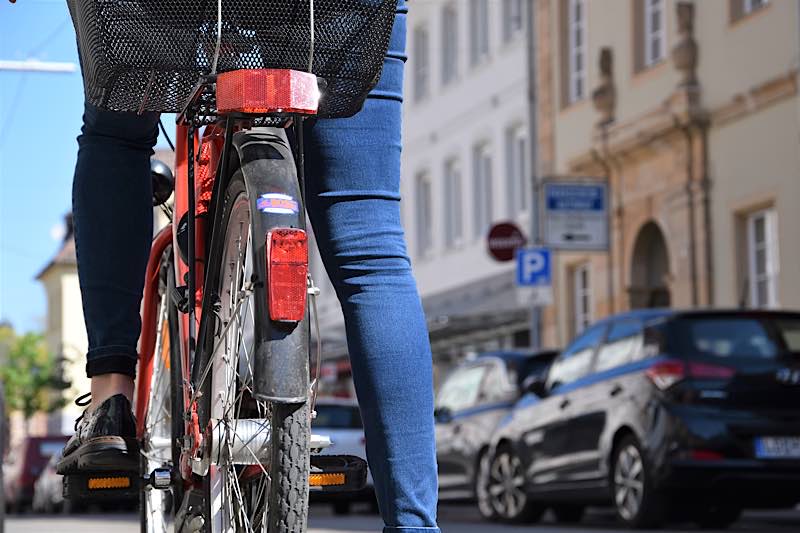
287	272
667	372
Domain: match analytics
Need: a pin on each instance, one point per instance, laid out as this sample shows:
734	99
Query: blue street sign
533	267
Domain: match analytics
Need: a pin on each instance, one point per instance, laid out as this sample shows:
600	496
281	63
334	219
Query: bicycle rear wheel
163	422
258	473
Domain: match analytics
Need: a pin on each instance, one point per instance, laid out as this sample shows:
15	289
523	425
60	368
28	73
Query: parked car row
661	414
25	465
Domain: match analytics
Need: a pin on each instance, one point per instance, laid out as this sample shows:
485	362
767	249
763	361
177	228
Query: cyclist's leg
353	200
113	217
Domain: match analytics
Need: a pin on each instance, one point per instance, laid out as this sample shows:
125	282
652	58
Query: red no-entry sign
504	239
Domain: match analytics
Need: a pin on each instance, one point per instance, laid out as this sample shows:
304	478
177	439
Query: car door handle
564	403
615	390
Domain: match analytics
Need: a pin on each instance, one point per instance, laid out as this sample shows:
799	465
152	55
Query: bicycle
224	396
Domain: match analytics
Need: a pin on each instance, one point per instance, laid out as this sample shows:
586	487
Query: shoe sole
102	454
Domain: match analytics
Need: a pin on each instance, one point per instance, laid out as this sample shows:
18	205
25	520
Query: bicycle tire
283	506
169	334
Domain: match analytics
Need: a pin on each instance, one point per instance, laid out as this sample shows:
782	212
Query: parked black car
663	414
469	404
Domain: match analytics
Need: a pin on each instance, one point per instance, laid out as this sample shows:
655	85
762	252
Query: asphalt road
454	519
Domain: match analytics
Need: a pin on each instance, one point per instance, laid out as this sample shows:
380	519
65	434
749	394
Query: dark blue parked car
661	414
469	404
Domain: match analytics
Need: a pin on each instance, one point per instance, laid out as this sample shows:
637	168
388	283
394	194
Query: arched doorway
650	269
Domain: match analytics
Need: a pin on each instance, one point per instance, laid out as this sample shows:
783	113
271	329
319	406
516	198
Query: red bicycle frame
240	93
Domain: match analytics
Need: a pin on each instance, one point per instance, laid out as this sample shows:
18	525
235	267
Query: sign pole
533	127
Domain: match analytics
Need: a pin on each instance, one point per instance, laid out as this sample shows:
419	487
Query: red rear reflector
705	455
266	91
287	270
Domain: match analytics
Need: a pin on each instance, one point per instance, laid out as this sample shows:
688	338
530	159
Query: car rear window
739	337
337	417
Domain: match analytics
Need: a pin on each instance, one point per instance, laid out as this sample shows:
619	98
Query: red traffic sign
504	239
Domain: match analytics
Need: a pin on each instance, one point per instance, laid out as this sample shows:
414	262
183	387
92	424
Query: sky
40	117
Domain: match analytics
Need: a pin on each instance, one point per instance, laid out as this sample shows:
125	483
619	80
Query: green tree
30	377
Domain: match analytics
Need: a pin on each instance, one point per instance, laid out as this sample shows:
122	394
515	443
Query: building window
479	30
582	298
482	189
655	33
518	186
741	8
512	18
576	31
751	5
453	198
762	258
449	43
421	63
424	229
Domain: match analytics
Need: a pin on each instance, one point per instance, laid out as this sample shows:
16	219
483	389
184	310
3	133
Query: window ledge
650	71
735	23
572	106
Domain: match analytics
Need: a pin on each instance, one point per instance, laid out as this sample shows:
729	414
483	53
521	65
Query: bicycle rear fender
281	361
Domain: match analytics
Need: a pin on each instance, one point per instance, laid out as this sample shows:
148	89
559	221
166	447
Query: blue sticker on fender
277	203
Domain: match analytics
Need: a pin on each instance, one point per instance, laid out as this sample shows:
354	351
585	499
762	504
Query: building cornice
681	110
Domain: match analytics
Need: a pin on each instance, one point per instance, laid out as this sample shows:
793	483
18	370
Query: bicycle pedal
159	479
337	473
101	486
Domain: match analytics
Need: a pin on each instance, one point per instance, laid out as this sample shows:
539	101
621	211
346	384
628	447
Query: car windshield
739	337
337	417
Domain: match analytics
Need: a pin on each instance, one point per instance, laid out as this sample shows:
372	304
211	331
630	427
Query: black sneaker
104	440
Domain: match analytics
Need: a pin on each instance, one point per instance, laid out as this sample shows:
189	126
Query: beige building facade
690	110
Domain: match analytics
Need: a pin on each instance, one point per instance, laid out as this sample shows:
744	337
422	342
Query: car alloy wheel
637	501
628	482
482	488
505	488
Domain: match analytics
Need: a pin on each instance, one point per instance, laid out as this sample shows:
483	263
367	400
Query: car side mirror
536	385
442	415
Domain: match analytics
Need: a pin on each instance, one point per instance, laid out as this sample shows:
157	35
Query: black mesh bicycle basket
148	55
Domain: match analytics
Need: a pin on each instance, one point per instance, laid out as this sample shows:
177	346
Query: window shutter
638	35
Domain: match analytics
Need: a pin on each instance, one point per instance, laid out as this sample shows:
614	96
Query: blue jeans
353	201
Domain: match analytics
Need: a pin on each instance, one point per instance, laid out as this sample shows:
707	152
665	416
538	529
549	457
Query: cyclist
353	201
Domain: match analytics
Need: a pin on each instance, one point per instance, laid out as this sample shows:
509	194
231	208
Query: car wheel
568	513
717	516
485	506
505	490
341	508
636	501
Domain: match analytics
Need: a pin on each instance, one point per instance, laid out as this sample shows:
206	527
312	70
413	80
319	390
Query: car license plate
778	448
